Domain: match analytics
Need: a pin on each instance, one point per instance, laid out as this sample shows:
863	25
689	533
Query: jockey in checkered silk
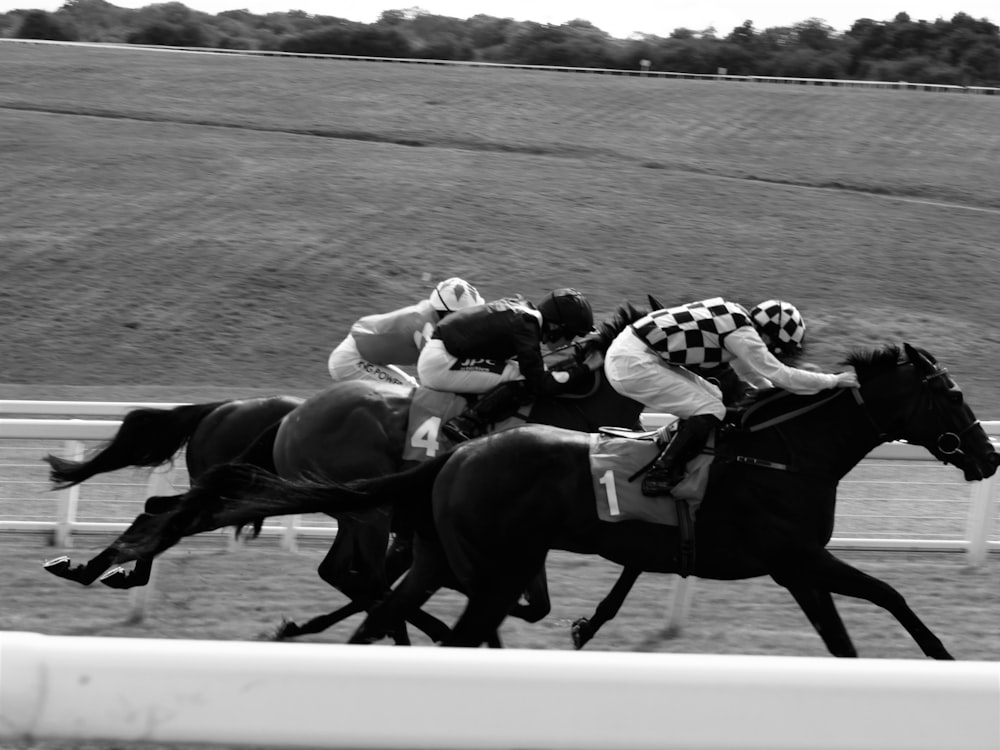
649	361
378	344
495	349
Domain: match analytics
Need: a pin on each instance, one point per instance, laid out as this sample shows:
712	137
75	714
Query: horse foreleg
86	573
289	629
818	606
584	628
840	578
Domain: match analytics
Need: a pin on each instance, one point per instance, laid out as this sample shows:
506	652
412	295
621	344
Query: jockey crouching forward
495	349
649	362
378	344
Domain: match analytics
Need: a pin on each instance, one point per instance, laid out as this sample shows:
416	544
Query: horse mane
624	314
873	361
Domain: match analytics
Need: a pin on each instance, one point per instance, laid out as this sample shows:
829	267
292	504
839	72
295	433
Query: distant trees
37	24
962	50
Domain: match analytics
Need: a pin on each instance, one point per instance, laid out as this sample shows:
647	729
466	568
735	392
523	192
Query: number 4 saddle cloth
615	460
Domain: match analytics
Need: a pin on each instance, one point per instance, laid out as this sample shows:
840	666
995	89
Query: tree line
960	51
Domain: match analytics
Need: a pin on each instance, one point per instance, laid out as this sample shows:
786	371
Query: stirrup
660	483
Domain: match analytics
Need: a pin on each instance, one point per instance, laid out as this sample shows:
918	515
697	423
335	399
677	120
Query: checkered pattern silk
693	334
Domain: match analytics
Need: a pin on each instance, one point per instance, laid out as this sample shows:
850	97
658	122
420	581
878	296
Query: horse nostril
995	458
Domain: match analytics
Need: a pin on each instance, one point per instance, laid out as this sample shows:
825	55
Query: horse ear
654	304
920	358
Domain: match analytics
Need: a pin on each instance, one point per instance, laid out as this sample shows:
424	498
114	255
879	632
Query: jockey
377	344
495	349
649	361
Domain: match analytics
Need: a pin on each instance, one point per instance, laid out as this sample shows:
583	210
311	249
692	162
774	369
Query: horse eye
955	397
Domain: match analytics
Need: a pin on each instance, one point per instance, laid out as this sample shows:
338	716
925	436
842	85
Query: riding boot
668	469
493	406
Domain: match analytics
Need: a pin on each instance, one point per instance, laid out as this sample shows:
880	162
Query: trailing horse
487	513
210	434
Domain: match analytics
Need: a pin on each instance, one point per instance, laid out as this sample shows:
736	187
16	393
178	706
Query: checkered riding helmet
783	323
568	311
454	294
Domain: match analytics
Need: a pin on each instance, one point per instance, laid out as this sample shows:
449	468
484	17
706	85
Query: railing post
161	482
68	500
982	510
680	603
289	537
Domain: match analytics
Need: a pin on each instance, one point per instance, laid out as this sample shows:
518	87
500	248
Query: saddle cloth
429	409
614	459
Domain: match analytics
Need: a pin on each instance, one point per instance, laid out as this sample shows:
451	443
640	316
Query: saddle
615	449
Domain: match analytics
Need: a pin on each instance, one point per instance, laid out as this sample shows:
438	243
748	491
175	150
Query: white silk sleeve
752	354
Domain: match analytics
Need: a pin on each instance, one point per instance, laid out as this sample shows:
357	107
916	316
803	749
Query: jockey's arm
750	350
528	351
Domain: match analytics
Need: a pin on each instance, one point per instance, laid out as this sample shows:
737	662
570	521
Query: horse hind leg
84	574
482	617
819	607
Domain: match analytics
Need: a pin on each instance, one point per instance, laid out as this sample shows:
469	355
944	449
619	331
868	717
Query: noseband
948	443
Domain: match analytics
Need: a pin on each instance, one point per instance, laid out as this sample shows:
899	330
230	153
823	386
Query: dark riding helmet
782	323
566	313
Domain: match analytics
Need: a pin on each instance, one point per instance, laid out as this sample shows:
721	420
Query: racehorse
359	429
210	434
488	512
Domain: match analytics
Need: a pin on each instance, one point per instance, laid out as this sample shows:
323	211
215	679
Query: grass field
192	220
187	227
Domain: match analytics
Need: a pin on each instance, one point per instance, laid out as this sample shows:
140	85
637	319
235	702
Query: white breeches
436	370
636	371
346	363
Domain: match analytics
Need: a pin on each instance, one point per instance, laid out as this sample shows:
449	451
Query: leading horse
768	508
359	429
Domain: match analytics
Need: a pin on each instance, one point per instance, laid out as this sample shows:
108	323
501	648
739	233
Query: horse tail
241	494
147	437
235	494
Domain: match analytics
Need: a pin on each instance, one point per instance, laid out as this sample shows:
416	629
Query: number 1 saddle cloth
614	460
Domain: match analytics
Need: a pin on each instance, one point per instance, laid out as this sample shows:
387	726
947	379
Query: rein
795	413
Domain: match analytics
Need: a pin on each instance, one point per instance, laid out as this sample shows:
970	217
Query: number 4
426	436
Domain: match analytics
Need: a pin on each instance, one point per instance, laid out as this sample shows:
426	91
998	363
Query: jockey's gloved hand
554	382
557	381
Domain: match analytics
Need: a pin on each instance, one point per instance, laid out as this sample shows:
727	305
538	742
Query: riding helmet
568	311
783	323
454	294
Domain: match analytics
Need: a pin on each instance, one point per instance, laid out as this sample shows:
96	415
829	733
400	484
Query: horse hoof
116	578
57	566
287	629
580	630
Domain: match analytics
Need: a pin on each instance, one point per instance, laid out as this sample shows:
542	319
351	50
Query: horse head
926	407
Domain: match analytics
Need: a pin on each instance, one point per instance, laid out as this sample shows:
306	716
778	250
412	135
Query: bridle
949	442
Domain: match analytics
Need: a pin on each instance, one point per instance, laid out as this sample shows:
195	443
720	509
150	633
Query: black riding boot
668	469
493	406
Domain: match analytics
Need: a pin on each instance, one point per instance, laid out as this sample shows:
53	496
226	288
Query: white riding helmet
783	323
454	294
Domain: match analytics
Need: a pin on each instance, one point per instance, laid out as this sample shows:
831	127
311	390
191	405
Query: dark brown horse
488	513
210	434
359	429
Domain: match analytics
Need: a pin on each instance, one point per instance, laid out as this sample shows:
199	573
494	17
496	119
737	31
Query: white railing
838	82
978	526
313	695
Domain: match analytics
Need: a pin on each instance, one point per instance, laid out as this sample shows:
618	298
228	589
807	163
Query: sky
620	18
